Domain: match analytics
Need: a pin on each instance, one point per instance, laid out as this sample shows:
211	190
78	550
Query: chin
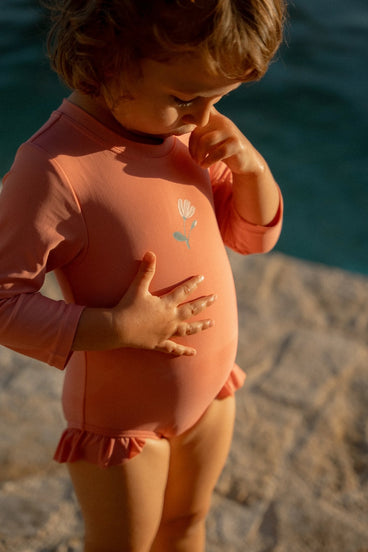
176	132
183	130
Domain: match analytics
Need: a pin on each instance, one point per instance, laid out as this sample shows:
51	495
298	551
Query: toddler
128	193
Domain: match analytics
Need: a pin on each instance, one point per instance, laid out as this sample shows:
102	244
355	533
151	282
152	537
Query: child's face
170	98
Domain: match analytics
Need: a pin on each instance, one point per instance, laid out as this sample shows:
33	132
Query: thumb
146	271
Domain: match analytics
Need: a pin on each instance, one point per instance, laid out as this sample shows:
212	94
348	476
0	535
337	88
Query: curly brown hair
92	42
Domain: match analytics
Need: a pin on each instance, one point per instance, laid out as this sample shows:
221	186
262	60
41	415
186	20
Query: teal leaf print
179	236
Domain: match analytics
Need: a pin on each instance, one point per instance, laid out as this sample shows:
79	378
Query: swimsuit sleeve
40	230
237	233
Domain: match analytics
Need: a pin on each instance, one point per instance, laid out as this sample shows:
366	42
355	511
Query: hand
221	140
145	321
255	193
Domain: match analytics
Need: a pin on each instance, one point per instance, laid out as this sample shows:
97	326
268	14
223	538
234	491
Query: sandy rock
38	513
297	475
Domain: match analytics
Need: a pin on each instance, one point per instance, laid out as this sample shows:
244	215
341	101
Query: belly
130	389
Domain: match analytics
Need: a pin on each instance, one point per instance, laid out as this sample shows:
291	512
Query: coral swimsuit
91	203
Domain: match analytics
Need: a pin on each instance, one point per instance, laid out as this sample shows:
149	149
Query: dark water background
308	116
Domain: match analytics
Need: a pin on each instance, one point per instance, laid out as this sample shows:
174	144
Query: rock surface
297	476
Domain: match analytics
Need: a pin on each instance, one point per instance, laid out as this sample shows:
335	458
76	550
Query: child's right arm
142	320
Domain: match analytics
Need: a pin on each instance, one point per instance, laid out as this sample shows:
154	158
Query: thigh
122	505
197	459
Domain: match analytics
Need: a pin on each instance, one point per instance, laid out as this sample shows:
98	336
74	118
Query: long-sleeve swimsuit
86	203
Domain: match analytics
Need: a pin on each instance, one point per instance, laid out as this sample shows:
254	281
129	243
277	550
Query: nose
198	114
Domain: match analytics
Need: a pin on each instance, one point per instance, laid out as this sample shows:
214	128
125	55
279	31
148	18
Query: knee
185	524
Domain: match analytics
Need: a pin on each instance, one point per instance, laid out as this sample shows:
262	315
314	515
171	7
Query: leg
197	459
122	505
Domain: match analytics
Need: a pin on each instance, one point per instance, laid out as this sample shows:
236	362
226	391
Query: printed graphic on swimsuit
186	210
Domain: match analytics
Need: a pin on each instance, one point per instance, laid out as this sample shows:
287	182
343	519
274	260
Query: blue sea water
308	117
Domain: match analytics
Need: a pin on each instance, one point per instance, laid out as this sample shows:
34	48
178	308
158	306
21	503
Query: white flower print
186	210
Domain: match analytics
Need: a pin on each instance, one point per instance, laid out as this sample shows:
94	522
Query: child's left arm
255	193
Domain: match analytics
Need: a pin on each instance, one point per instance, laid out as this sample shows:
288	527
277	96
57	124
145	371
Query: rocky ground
297	476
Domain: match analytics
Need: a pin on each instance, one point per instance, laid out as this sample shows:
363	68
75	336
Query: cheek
167	116
147	116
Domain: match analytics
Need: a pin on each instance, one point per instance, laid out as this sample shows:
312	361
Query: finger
172	348
226	151
217	130
146	271
192	308
194	327
181	292
220	151
204	143
195	141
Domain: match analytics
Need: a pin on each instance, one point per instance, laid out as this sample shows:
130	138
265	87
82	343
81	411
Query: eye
182	103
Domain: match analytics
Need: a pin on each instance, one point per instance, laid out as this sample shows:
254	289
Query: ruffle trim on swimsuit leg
78	444
234	382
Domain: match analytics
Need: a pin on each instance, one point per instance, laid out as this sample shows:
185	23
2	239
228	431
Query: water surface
308	117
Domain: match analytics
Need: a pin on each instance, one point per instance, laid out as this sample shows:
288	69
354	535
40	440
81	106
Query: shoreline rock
297	475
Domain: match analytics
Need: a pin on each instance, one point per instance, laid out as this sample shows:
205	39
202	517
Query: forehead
188	75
